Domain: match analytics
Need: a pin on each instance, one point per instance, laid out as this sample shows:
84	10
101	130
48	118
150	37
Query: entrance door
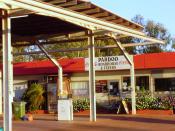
52	97
113	87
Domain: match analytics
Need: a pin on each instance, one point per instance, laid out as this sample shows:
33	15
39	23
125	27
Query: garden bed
155	112
83	113
99	111
38	112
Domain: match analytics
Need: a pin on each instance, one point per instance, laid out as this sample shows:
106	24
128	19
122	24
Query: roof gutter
77	18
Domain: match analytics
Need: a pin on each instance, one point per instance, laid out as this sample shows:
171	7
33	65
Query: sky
162	11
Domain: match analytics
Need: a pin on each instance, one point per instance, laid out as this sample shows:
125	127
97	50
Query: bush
144	100
34	97
81	105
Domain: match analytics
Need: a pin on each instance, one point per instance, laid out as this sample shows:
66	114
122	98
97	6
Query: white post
92	77
133	93
151	85
132	72
60	79
55	62
7	71
0	93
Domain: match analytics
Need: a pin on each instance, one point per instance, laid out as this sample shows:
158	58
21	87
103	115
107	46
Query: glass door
113	86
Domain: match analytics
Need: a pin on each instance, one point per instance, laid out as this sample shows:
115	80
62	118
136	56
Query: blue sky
162	11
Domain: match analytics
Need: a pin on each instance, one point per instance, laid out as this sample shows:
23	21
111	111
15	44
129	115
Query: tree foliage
152	29
173	43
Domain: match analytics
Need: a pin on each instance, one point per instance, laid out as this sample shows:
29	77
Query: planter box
83	113
99	111
155	112
38	112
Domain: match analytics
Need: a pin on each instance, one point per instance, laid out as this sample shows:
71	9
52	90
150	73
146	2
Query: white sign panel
109	63
65	110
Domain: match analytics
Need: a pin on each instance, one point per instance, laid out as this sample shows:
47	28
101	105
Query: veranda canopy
36	19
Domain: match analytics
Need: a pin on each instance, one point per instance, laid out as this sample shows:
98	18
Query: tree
173	43
152	29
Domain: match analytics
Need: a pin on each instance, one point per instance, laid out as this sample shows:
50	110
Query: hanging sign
109	63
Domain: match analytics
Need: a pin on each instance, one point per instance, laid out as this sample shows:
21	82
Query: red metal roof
144	61
155	60
47	67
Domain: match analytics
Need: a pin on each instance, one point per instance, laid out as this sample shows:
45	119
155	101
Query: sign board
65	110
124	105
109	63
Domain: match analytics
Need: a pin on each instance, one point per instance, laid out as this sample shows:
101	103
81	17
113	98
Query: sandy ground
104	123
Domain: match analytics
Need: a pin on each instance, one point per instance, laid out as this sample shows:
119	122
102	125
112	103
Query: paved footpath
104	123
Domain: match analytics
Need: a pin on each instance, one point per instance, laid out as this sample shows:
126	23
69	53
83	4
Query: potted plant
34	96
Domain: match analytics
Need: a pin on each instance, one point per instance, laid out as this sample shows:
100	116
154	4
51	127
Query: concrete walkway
104	123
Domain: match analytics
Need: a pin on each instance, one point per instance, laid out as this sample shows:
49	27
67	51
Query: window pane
165	84
80	89
101	86
114	88
142	82
126	84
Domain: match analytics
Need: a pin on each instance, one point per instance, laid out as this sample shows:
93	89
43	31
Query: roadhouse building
154	72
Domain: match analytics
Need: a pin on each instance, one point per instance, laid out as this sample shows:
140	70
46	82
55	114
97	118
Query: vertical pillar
151	85
0	93
133	93
60	77
92	76
7	71
132	74
55	62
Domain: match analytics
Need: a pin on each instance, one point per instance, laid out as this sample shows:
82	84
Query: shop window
165	84
114	88
80	89
101	86
30	82
52	79
142	82
126	83
19	90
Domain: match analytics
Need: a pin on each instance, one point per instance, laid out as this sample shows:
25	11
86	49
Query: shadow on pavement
138	119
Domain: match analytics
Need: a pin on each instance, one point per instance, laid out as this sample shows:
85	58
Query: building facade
153	72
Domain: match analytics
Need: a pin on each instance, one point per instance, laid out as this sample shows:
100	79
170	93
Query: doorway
113	86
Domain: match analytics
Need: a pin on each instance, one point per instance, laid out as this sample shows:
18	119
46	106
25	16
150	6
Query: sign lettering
109	63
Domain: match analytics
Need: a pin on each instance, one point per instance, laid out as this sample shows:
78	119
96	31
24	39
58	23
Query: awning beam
56	63
75	49
77	18
132	72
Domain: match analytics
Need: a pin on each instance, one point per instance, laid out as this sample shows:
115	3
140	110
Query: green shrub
34	97
81	104
144	100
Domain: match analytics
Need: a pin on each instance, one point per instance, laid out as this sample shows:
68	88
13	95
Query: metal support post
151	85
133	93
55	62
132	72
0	93
7	71
92	76
132	76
